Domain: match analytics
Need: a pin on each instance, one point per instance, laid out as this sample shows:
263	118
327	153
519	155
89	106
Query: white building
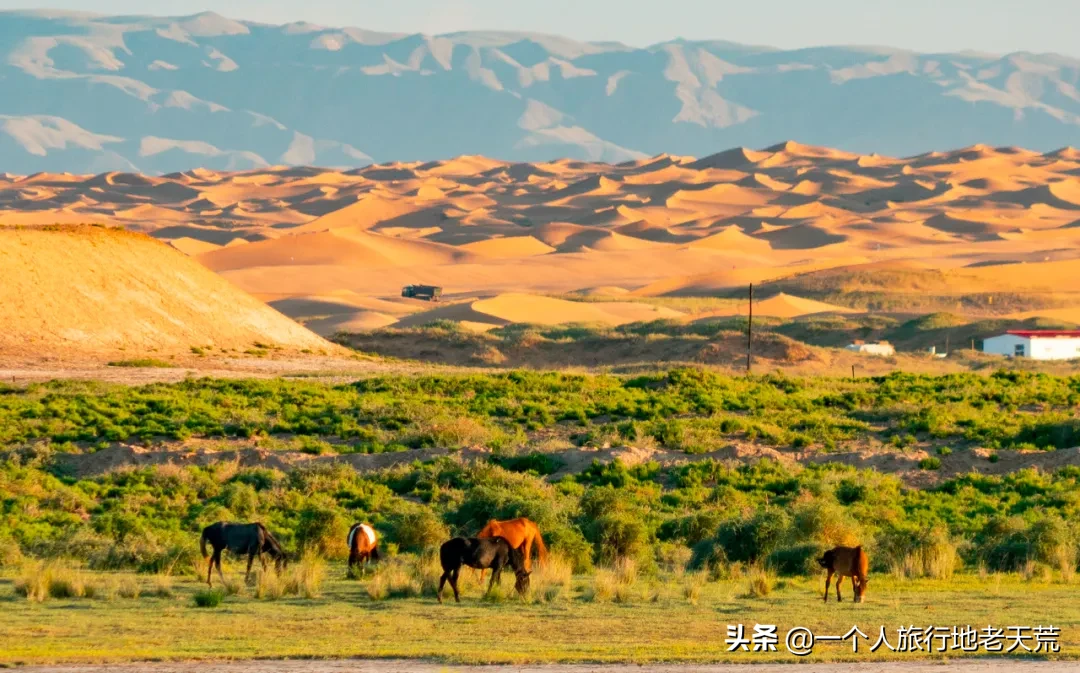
1036	344
880	348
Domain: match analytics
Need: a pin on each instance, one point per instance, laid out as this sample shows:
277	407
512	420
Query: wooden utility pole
852	372
750	330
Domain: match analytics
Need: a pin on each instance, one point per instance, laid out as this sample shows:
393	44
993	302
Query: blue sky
997	26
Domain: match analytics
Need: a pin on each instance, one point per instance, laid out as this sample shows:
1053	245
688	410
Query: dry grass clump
269	586
692	585
42	581
931	554
617	583
760	582
162	586
305	577
551	580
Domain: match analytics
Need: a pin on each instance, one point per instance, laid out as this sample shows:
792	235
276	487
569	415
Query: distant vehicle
425	292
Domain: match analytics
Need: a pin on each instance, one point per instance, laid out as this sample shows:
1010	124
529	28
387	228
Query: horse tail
202	544
541	550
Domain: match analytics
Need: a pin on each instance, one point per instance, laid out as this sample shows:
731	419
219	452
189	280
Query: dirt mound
82	290
248	454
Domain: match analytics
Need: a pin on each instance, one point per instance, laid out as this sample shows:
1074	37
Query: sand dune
788	306
88	291
523	308
514	246
312	239
341	247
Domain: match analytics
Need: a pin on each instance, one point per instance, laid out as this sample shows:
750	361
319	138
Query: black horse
240	538
481	553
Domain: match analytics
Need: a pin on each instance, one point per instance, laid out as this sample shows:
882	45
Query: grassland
655	559
685	409
655	622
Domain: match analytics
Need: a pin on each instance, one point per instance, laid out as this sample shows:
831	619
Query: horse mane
271	540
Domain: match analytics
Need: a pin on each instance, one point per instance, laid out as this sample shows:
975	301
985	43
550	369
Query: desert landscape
574	242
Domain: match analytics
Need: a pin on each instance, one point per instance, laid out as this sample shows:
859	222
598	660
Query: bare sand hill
89	290
508	308
997	220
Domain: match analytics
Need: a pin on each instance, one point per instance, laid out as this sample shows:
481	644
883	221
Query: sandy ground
400	666
21	371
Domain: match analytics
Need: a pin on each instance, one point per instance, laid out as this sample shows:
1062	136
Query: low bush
209	598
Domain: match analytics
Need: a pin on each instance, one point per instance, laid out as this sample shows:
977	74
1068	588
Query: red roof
1045	333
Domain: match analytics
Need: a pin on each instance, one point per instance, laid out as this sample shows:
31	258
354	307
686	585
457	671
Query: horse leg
262	560
839	579
528	553
453	584
247	574
209	570
496	577
828	578
442	583
217	558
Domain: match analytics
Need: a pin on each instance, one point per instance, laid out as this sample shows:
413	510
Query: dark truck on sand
425	292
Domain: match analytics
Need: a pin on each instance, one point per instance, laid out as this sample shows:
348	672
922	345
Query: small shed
878	348
1035	344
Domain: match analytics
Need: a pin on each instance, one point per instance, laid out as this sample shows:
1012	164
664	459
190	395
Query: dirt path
409	666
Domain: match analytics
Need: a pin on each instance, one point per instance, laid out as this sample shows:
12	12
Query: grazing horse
846	562
481	553
518	532
363	545
240	538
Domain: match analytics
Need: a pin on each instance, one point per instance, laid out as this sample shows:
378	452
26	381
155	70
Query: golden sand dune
88	290
663	225
788	306
514	246
340	247
510	308
357	321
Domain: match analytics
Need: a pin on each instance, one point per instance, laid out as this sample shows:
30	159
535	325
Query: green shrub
419	530
930	463
142	362
209	598
752	538
322	528
797	560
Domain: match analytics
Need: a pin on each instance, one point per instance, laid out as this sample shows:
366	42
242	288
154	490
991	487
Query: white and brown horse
363	545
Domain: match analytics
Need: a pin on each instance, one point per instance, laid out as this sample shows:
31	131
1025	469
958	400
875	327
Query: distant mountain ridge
86	93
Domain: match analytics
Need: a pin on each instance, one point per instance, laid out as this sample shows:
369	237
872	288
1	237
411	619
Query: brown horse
846	562
520	533
363	545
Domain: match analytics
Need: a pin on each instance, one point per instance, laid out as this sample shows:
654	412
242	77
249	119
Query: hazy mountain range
87	93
